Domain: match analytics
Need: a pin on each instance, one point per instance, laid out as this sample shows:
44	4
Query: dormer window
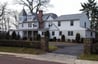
85	24
71	23
59	23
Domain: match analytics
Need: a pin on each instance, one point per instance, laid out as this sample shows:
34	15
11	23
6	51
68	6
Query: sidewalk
61	58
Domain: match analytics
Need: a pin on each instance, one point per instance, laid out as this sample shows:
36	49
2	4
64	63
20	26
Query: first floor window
60	33
53	33
42	33
70	33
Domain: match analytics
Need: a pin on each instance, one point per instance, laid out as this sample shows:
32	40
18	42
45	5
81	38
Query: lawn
25	50
93	57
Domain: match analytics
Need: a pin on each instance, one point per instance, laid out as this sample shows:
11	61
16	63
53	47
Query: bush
38	37
24	38
58	40
78	38
73	41
20	43
95	48
69	40
54	39
14	36
63	38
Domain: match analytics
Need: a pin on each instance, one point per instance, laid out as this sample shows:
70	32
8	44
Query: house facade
67	25
70	25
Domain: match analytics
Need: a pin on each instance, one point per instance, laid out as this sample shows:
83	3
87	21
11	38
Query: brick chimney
41	23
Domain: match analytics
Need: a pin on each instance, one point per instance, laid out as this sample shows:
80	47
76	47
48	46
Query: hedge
20	43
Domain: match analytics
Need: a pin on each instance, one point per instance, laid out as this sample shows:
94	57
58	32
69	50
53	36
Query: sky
59	7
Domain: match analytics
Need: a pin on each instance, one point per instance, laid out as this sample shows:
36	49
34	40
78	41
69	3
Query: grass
25	50
21	50
52	48
93	57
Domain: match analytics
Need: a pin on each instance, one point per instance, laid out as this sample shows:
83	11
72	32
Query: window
34	25
71	23
42	33
59	23
22	25
91	33
53	33
29	24
60	33
70	33
85	24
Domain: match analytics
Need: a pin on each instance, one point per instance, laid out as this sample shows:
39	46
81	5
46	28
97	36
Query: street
9	59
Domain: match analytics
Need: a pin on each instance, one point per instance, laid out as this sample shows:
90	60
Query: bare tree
33	5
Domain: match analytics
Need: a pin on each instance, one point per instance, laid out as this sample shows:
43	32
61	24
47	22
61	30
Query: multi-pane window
29	24
70	33
71	23
34	25
59	23
91	33
60	33
22	25
85	24
42	33
53	33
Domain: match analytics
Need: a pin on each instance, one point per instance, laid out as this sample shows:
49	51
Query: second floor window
59	23
71	23
29	24
22	25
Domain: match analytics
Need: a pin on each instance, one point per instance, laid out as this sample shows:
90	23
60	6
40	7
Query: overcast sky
60	7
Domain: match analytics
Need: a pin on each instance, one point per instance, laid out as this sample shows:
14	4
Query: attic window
71	23
85	24
59	23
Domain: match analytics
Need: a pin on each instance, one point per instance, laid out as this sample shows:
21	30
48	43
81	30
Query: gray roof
70	17
46	16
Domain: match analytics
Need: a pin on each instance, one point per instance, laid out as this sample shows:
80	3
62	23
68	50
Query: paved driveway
70	49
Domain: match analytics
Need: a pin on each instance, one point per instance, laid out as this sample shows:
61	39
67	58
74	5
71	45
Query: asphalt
73	50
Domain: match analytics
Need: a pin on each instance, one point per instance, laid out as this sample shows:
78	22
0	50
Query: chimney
40	18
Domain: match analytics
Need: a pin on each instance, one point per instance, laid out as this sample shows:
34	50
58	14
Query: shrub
95	48
73	40
78	37
38	37
58	40
24	38
8	35
47	34
63	38
69	40
14	35
20	43
54	39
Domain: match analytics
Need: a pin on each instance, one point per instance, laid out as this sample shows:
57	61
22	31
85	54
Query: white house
67	25
70	25
29	26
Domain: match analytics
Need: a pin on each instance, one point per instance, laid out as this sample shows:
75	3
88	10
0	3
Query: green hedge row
20	43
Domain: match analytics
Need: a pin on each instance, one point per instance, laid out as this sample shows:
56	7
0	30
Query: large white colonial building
68	25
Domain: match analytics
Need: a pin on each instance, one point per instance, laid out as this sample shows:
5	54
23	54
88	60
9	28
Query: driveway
72	49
